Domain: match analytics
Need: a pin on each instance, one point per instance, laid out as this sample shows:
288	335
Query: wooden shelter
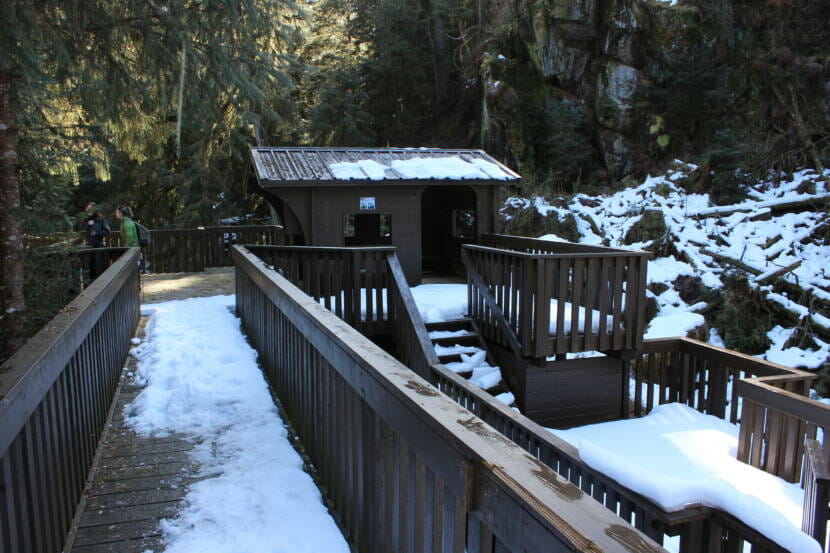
424	201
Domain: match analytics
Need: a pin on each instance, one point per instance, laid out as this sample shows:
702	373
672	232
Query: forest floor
214	281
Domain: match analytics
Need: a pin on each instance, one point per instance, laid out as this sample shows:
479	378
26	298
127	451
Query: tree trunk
438	43
11	238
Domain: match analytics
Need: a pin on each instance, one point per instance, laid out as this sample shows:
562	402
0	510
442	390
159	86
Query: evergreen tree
170	81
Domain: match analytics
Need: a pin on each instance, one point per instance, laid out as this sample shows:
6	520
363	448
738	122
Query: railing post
816	484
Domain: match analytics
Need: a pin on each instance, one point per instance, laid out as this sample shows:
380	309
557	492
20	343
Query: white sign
367	204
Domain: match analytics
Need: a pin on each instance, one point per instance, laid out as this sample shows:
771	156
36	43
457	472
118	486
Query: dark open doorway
367	229
448	220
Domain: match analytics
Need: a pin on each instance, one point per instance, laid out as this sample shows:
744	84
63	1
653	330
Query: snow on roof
677	456
310	166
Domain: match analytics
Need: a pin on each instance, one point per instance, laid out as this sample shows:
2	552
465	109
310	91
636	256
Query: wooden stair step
463	340
449	358
455	324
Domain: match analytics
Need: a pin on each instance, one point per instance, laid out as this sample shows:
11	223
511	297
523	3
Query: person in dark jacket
97	229
129	234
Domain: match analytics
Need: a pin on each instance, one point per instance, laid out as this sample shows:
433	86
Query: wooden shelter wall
321	212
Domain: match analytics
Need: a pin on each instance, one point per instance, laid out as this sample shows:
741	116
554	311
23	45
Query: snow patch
202	380
691	459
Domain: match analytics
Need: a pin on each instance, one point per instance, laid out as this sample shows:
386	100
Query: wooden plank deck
135	482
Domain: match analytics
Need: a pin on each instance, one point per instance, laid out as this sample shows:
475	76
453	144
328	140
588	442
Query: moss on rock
651	226
529	222
743	319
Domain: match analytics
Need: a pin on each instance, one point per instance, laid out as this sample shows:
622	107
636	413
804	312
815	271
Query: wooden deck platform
135	482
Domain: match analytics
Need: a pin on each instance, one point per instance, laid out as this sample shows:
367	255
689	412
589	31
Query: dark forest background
154	104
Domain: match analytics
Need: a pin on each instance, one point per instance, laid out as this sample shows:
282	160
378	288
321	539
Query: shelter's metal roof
345	166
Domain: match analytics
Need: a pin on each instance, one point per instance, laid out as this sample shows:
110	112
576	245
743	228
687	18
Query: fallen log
776	273
774	205
792	289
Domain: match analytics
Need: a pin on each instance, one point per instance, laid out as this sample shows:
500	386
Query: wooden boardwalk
135	482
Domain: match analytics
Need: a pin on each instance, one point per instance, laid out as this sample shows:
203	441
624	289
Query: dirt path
215	281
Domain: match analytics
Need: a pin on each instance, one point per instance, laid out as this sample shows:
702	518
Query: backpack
143	235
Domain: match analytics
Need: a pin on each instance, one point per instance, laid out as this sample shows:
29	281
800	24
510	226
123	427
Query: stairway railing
672	369
559	297
402	465
409	333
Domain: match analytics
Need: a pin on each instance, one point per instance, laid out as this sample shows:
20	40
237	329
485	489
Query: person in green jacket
129	234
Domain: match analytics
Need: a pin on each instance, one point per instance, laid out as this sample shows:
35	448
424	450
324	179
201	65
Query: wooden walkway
135	482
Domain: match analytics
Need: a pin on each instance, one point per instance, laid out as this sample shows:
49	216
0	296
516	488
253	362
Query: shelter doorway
367	229
448	220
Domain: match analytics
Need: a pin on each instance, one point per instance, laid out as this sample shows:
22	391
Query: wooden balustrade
404	467
94	261
55	394
674	369
696	374
557	297
183	250
776	419
409	334
816	484
350	282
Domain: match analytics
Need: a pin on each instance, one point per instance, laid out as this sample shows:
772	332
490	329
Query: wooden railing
409	334
94	261
556	297
776	419
183	250
404	467
675	369
350	282
770	402
816	484
697	374
55	393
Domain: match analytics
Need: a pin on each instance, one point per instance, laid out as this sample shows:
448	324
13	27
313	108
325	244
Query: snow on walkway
677	456
202	379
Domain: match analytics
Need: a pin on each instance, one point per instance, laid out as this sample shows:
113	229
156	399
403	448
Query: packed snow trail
202	379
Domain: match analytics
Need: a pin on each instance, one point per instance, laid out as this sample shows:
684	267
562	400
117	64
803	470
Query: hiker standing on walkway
97	228
129	233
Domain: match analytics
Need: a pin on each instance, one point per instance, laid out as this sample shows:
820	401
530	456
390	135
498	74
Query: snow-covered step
453	338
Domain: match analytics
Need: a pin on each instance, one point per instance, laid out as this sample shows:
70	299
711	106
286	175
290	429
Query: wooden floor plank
139	484
142	471
143	460
136	482
108	533
143	497
133	513
123	450
151	545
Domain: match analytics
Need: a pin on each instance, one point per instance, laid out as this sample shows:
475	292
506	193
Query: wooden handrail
513	497
54	396
525	242
507	331
763	392
737	360
816	484
409	330
575	255
28	374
